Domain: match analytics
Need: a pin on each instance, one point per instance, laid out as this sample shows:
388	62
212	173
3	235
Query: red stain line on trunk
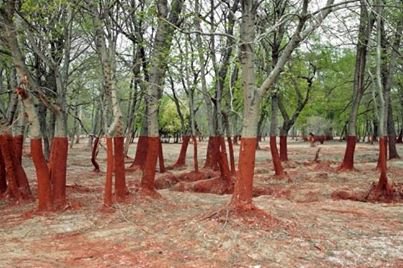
42	175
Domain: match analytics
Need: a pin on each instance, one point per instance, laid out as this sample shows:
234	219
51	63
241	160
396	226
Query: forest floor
312	229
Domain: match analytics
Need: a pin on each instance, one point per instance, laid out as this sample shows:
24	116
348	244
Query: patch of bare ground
305	227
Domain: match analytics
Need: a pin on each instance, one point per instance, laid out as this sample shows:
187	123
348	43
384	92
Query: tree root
389	194
246	215
217	185
196	176
165	181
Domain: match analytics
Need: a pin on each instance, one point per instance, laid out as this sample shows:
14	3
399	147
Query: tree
52	178
384	69
105	47
242	196
289	120
365	28
167	19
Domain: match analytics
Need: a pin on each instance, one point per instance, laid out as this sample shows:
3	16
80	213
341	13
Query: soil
311	230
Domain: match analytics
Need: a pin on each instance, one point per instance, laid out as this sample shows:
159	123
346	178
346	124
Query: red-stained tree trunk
42	175
223	164
11	173
141	153
195	158
109	173
119	168
181	161
94	154
212	154
278	168
231	155
283	148
348	160
161	158
148	179
18	142
57	170
242	196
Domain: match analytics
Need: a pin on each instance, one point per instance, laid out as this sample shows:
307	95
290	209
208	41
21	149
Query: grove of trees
229	71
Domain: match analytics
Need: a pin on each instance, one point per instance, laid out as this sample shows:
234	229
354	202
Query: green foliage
332	89
168	117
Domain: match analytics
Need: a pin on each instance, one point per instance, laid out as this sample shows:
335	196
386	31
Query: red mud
294	224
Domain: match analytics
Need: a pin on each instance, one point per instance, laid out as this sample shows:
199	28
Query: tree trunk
42	175
119	168
147	181
141	152
109	173
231	155
278	168
195	160
94	154
283	148
181	161
13	190
212	153
242	196
393	154
364	33
348	160
161	158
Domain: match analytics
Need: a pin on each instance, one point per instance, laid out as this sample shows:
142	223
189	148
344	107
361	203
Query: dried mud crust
305	226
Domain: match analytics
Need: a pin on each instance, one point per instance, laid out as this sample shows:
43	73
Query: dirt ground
312	231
